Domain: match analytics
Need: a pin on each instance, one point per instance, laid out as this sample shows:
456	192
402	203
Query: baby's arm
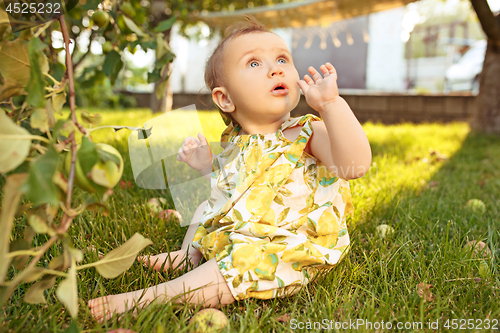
338	141
197	155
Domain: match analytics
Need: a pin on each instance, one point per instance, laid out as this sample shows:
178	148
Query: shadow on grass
385	279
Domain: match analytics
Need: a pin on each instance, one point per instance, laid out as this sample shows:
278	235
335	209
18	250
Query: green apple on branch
98	167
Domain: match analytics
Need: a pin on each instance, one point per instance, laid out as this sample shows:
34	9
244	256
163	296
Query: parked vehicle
464	74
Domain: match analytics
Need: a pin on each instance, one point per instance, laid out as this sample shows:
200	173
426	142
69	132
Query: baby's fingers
190	143
203	140
181	157
308	79
315	74
303	86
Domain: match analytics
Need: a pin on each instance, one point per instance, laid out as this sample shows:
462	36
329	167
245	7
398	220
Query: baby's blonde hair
214	69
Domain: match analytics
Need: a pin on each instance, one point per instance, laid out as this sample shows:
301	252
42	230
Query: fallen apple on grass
155	204
480	249
384	231
209	321
167	213
476	205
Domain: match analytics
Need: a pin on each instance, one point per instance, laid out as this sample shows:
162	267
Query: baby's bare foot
175	259
105	307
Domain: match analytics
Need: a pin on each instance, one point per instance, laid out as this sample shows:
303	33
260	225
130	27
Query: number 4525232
478	324
40	8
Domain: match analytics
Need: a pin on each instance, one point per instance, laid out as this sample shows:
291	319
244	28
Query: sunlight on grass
421	178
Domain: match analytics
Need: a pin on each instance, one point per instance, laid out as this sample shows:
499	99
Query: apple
107	47
476	205
103	175
107	173
154	205
384	230
479	249
484	269
209	321
165	214
101	19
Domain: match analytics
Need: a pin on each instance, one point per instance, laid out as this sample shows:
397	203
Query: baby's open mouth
280	86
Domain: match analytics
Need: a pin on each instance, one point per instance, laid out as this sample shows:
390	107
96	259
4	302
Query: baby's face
260	77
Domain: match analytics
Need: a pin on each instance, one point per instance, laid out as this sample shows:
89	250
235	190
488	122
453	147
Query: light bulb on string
336	41
348	38
366	36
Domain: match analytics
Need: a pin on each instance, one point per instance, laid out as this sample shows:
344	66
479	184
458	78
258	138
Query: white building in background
385	68
379	63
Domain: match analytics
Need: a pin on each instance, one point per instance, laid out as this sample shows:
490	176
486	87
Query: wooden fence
387	108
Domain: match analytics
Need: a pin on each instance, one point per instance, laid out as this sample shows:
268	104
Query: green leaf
34	295
154	76
58	102
67	292
119	260
164	60
93	119
165	25
39	66
91	4
162	46
132	26
112	65
15	63
148	45
57	70
7	91
19	245
35	274
11	196
40	188
87	155
62	262
40	120
13	152
104	156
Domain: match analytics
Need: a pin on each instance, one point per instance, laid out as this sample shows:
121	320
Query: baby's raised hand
196	154
320	90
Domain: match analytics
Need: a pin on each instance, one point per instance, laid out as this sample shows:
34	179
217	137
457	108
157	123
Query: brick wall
383	107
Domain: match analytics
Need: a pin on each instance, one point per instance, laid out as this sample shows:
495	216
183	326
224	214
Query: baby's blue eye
281	61
254	63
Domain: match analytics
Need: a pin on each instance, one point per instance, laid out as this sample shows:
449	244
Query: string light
348	38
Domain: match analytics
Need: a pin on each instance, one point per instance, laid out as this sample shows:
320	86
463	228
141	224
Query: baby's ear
221	98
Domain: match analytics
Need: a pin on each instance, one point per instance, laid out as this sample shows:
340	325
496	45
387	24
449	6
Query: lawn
422	274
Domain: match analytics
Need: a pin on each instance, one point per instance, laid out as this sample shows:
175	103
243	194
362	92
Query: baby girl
280	196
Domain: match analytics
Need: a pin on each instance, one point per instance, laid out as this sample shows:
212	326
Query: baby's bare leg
203	285
177	259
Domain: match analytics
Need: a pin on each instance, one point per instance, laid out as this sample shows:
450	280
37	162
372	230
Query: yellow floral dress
276	214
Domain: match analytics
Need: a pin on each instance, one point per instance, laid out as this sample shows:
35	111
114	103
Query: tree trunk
164	104
158	8
487	117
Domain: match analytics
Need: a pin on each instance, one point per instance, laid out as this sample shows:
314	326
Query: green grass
410	186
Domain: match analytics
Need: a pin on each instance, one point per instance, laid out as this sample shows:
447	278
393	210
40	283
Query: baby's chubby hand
196	154
319	90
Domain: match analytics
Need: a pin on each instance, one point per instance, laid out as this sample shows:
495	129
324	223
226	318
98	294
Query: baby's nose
277	71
